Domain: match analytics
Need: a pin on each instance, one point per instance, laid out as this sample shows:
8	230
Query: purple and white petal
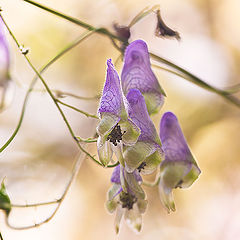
179	169
137	73
173	142
139	115
112	99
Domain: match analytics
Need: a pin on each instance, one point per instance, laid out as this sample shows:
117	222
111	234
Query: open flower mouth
116	135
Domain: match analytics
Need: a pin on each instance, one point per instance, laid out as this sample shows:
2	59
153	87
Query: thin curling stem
197	81
51	95
75	170
43	69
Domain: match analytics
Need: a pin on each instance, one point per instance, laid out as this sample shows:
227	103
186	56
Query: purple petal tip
172	138
109	62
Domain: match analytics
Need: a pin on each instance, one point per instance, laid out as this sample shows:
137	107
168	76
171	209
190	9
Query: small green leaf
5	203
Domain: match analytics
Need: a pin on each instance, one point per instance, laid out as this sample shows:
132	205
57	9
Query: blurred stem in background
226	94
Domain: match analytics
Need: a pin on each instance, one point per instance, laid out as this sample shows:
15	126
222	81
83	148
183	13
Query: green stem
43	69
197	81
75	170
61	94
190	77
51	95
76	109
88	140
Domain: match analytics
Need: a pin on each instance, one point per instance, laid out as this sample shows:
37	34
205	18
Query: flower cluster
127	130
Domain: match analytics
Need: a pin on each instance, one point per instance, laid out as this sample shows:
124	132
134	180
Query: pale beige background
37	164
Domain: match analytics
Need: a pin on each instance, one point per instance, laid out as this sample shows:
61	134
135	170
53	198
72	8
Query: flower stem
75	170
76	109
50	94
43	69
189	76
197	81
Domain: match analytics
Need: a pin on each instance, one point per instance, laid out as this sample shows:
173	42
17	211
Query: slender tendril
51	95
62	94
78	110
88	140
75	170
192	78
43	69
187	75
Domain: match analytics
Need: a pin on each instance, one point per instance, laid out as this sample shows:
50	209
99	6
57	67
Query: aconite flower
179	169
127	198
115	127
137	73
146	154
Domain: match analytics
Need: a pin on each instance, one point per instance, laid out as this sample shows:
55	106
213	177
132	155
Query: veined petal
136	154
114	191
179	169
172	173
137	73
133	185
153	161
139	114
174	144
130	132
106	124
112	96
104	151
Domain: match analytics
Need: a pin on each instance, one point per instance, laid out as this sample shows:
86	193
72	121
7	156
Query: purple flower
179	169
127	198
115	126
147	153
137	73
5	89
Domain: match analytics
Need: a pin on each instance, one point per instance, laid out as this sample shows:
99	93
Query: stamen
141	166
127	200
116	135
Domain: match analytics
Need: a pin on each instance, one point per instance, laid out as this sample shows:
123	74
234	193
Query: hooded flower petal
112	99
147	150
137	73
6	86
179	169
114	127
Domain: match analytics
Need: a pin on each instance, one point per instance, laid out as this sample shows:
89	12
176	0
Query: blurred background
37	165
